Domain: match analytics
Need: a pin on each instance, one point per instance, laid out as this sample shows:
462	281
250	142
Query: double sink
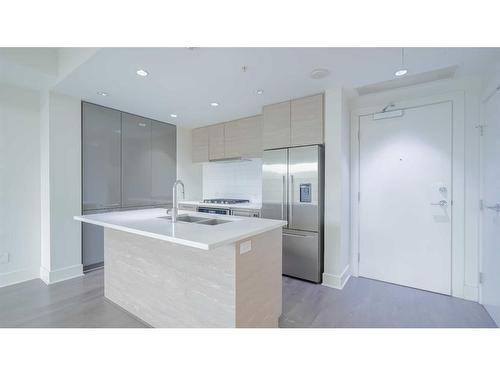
197	220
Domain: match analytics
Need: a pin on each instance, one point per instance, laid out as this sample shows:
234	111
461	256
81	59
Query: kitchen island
202	271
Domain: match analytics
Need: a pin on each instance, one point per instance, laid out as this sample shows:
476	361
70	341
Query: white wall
337	188
61	187
187	171
470	87
19	184
237	180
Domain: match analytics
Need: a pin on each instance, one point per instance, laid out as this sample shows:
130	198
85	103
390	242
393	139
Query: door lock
441	203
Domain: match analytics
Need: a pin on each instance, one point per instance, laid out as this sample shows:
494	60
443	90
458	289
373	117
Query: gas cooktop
225	201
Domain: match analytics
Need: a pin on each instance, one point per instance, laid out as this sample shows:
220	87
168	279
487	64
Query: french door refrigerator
292	190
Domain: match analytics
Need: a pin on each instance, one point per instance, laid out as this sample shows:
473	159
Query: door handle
495	208
441	203
296	235
290	218
283	198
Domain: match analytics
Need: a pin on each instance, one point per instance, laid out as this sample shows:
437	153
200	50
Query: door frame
457	99
488	94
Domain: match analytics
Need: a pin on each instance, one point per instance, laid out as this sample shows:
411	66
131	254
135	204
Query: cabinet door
136	161
307	121
243	138
216	142
200	145
163	162
276	125
101	157
245	213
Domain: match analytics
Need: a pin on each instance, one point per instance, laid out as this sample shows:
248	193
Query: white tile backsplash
236	180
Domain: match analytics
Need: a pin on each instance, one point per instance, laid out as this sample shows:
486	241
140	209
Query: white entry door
490	220
405	197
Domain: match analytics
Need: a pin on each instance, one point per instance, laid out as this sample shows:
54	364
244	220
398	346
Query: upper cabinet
216	142
298	122
163	161
243	138
276	125
101	148
136	161
307	121
234	139
200	145
128	160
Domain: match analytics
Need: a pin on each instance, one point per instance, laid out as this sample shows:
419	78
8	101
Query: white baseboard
336	281
471	293
18	276
51	277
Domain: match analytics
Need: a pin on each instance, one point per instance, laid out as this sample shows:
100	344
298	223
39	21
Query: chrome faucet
175	210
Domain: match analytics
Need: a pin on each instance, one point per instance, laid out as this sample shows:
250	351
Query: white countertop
246	206
150	224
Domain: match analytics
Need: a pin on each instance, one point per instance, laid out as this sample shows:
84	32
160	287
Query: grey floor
362	303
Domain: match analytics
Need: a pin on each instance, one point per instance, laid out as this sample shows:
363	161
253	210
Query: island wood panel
199	145
169	285
307	120
216	142
243	138
276	125
259	281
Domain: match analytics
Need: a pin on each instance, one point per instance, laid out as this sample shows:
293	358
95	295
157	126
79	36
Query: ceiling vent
410	80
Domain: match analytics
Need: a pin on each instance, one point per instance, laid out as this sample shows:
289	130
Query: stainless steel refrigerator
292	190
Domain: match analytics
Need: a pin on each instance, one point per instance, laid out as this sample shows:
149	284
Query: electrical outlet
4	258
245	247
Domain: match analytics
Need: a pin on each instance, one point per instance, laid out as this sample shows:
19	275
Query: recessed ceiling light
142	73
214	104
173	115
319	73
260	92
400	72
102	93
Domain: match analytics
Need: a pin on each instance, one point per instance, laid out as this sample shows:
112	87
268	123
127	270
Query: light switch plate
4	258
245	247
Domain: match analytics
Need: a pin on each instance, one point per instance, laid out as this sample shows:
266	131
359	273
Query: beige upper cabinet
298	122
216	142
243	138
307	121
276	125
200	145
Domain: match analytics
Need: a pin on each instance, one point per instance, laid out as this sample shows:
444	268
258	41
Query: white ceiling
34	68
184	81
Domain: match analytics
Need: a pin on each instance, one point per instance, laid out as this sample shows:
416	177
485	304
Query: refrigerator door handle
290	202
283	198
297	235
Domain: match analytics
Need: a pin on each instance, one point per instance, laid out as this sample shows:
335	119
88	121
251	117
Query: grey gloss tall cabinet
128	162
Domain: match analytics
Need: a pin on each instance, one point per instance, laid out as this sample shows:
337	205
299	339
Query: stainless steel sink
196	220
190	219
213	222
